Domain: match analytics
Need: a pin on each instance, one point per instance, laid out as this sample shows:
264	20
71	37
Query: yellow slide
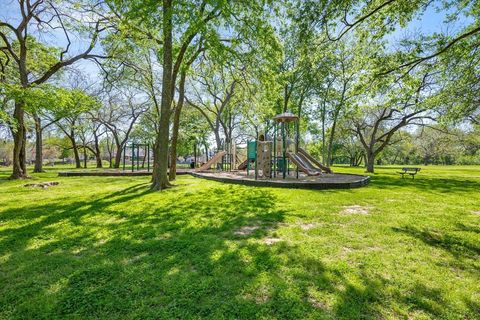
216	158
304	166
314	161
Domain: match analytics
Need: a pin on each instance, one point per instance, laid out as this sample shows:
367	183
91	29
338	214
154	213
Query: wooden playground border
296	184
360	180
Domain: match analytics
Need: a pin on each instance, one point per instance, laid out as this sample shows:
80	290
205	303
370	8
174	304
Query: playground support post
297	130
133	156
274	150
256	160
124	151
148	157
284	151
138	157
234	157
195	154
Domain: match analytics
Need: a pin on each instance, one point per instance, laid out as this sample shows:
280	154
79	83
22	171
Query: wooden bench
410	171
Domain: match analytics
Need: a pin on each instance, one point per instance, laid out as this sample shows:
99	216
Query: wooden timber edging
293	184
363	181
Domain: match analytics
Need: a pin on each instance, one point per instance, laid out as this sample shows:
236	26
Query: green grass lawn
106	247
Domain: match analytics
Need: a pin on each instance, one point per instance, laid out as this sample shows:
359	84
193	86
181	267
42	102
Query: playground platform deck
113	173
325	181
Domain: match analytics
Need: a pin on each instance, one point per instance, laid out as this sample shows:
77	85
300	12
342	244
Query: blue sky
433	21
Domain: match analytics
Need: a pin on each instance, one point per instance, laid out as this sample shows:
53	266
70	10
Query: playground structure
275	154
275	158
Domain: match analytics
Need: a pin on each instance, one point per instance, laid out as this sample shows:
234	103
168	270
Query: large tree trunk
38	145
218	139
370	161
160	159
176	125
118	155
19	142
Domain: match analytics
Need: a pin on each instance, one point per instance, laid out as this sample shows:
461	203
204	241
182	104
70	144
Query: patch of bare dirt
308	226
476	212
356	209
246	230
260	296
317	304
42	184
346	250
271	241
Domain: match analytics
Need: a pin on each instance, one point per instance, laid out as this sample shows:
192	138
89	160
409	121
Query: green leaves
49	98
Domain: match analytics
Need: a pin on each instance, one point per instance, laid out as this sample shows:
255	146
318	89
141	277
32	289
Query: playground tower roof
285	117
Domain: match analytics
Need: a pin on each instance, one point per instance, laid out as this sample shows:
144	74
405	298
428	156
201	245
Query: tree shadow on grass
468	228
453	244
180	258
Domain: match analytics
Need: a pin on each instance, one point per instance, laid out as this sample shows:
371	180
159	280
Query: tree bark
160	159
176	125
118	155
286	98
38	145
109	150
331	138
76	155
323	137
85	157
206	150
19	142
98	153
370	162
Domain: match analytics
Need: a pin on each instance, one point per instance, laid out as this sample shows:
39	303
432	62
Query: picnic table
410	171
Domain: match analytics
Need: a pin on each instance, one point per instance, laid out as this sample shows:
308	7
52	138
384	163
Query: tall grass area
107	247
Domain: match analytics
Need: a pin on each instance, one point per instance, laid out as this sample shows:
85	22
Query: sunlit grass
107	247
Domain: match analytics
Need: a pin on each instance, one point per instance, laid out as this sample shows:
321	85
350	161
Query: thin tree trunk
38	145
85	157
160	165
98	153
323	135
286	97
332	137
176	124
206	150
76	155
